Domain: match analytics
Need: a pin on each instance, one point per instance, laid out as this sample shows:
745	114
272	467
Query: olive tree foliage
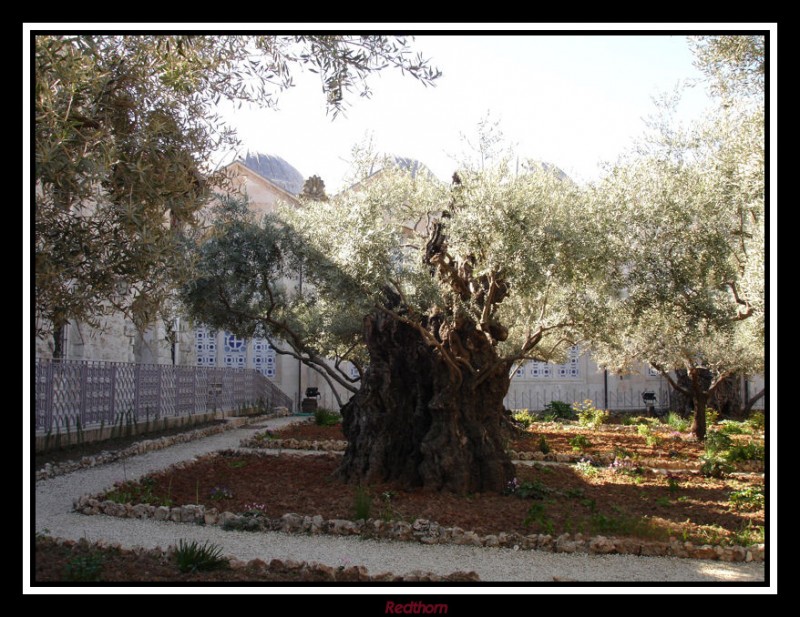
454	285
734	64
252	276
688	208
516	259
124	128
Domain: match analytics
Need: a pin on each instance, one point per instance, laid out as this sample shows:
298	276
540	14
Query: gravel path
53	505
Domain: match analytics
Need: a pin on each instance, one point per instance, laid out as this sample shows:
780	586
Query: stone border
277	566
50	470
327	445
334	445
421	530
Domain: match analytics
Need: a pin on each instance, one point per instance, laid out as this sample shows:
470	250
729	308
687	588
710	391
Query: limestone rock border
283	566
323	445
421	530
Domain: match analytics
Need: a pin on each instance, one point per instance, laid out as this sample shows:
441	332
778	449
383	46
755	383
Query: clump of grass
326	417
195	557
732	427
84	568
757	420
580	443
675	421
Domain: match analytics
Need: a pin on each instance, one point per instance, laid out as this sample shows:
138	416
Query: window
205	346
264	357
234	351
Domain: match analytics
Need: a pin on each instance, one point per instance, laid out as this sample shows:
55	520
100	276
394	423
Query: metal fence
619	399
96	393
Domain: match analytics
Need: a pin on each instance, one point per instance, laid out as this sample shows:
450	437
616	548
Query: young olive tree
689	245
449	287
687	225
124	128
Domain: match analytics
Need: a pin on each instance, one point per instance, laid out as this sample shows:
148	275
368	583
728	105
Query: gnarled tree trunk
417	422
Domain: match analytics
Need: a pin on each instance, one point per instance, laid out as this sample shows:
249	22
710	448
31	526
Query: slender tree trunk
700	400
415	423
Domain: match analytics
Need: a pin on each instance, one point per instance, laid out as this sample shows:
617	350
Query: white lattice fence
69	392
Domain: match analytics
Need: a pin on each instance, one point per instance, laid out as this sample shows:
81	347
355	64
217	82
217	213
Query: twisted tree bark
418	423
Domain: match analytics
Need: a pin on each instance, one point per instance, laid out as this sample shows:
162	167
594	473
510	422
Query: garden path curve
53	500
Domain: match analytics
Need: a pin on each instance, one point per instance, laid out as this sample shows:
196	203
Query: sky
574	101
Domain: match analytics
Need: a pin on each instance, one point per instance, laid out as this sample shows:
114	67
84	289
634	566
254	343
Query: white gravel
53	515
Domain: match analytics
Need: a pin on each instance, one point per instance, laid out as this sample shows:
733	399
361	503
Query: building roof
276	170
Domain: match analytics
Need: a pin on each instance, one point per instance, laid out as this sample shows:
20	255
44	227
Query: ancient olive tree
435	292
124	129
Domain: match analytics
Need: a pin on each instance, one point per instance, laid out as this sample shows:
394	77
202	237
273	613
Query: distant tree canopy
124	129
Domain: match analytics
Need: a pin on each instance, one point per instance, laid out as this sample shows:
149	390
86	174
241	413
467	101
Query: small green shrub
195	557
675	421
748	534
528	490
638	420
560	409
732	427
586	468
589	415
84	568
536	514
714	467
580	443
717	442
673	484
622	453
712	415
651	439
757	420
622	525
544	447
750	498
745	452
326	417
134	492
523	417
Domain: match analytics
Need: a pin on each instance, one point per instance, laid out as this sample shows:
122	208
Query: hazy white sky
574	101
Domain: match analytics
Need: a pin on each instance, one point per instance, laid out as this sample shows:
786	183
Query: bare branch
748	310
